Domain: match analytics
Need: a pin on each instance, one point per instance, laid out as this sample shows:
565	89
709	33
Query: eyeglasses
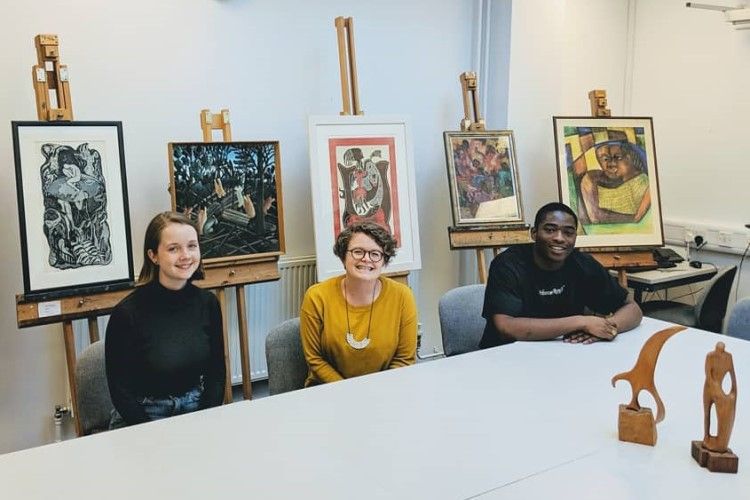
359	254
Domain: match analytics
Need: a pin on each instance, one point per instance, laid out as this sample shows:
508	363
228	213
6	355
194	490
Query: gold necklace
359	344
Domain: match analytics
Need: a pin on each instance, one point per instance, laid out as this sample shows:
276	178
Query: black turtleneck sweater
160	342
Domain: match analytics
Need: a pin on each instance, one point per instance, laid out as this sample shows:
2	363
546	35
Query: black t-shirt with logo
517	287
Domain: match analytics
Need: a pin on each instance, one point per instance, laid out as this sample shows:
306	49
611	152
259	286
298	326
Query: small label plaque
52	308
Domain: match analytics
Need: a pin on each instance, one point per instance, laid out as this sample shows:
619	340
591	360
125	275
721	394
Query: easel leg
247	389
93	329
622	278
70	358
482	266
222	296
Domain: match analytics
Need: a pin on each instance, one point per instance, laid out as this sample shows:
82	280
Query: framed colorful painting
607	173
362	169
483	178
72	207
233	191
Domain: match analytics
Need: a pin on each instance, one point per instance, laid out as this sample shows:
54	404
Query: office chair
738	324
287	368
94	402
461	321
707	314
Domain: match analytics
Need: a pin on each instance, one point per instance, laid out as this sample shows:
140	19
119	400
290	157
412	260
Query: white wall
560	50
154	65
692	74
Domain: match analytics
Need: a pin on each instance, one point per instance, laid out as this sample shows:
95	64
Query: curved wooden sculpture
637	424
713	452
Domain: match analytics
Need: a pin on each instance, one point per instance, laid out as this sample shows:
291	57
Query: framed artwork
362	169
72	207
483	178
233	191
607	173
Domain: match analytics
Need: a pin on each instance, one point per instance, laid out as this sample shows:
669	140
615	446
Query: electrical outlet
724	239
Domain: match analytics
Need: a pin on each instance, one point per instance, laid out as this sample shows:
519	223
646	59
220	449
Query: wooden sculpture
636	424
713	452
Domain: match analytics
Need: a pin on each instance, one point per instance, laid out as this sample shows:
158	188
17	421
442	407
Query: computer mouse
696	264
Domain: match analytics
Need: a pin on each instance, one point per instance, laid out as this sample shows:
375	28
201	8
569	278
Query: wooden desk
511	419
671	277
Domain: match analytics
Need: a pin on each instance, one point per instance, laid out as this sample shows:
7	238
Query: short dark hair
554	206
149	270
378	233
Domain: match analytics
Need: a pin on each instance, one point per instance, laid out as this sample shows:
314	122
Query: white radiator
267	304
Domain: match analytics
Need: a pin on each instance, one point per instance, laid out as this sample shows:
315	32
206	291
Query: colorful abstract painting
607	175
483	178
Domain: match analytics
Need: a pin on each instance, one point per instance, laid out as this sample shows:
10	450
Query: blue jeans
158	408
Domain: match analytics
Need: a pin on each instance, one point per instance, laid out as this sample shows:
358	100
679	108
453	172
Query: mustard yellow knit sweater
393	334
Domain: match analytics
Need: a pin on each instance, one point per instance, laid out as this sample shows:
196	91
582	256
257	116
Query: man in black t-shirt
541	291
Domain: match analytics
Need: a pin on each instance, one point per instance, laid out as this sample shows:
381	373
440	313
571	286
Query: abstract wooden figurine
713	452
636	424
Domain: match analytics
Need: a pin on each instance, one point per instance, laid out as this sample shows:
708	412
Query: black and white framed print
72	207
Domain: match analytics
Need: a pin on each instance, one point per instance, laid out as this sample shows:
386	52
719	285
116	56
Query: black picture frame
73	211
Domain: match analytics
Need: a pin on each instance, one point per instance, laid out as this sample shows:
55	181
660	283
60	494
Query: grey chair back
712	306
461	321
738	324
287	368
94	402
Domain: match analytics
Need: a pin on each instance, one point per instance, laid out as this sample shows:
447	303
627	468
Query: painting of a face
616	166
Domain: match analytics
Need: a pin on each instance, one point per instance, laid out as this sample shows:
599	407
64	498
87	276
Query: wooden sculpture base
636	426
713	460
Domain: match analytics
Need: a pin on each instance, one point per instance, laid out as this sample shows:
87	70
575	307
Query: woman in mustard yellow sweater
360	322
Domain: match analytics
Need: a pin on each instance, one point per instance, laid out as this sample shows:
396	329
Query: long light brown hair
150	271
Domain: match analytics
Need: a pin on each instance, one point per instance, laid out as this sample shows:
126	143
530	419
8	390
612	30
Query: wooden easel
482	238
347	66
254	270
472	117
350	88
49	75
620	261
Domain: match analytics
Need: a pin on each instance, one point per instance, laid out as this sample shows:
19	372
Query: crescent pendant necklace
359	344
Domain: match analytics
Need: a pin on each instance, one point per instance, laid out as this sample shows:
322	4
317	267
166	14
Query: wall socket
718	238
724	239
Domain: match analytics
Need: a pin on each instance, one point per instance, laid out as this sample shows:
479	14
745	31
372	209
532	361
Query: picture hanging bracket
472	117
216	121
347	66
51	77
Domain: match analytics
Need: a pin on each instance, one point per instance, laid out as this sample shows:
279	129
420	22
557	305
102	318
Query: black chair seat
674	312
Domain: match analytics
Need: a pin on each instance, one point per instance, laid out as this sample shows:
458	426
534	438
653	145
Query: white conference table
529	420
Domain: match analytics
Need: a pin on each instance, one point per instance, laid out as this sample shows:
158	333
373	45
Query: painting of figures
362	169
72	206
607	174
233	192
362	178
483	178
